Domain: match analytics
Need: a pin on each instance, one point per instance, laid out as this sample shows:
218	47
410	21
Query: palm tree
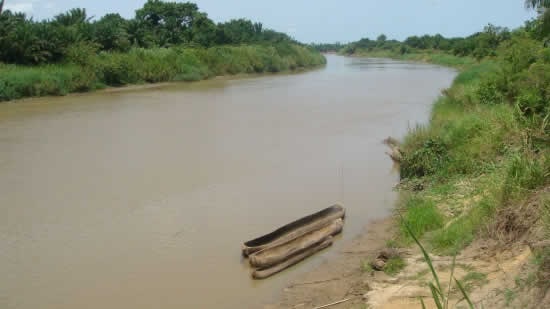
1	5
537	4
543	8
72	17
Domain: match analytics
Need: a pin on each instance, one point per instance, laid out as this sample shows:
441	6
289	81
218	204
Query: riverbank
475	185
433	57
87	71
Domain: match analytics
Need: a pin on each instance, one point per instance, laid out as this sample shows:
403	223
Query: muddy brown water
141	199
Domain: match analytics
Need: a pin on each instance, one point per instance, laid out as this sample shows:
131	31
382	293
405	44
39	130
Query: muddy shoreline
340	277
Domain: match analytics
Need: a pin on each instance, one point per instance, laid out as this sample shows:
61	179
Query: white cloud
49	5
25	6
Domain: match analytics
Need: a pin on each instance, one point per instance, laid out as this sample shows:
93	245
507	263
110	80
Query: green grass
475	71
394	266
524	174
366	266
472	159
439	294
509	296
463	230
484	152
154	65
421	216
18	82
474	279
542	256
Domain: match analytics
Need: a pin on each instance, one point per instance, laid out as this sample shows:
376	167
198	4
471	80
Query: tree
203	31
535	4
72	17
1	5
543	7
170	22
238	31
111	31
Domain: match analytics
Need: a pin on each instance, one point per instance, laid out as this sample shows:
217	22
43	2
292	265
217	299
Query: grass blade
425	253
436	295
422	303
463	291
450	281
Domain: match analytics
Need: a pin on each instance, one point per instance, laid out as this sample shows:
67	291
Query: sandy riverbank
491	269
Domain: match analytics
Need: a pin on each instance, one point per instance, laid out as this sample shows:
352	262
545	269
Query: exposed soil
341	277
497	270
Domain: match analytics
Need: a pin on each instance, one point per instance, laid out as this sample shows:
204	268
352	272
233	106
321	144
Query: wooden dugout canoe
263	273
279	253
294	229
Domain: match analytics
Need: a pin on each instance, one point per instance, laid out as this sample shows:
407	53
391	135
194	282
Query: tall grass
485	147
18	82
151	66
440	295
421	216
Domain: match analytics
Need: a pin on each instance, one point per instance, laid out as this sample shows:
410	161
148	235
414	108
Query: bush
19	82
524	174
534	90
425	156
88	71
490	90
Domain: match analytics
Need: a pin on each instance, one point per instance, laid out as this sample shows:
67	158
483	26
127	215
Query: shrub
425	158
87	71
523	174
490	90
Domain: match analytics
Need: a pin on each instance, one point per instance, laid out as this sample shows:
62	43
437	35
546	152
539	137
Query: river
142	198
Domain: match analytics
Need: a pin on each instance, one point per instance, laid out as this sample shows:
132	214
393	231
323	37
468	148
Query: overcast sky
327	20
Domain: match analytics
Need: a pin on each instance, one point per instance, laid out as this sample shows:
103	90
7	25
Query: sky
326	20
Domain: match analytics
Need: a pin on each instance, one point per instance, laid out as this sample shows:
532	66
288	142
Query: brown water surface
141	199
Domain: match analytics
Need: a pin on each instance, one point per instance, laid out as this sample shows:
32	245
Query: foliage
157	24
165	41
88	71
486	146
394	265
439	294
420	217
327	47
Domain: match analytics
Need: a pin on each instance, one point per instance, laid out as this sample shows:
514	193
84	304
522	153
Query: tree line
24	40
479	45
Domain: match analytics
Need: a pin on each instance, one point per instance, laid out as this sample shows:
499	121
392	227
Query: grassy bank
479	168
87	70
428	56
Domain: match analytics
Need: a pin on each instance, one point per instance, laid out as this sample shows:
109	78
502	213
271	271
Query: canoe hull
294	230
279	253
263	273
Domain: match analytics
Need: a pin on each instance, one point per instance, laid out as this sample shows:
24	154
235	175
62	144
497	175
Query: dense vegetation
327	47
165	41
478	45
481	167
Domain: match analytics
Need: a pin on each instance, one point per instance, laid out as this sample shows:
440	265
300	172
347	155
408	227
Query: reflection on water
141	199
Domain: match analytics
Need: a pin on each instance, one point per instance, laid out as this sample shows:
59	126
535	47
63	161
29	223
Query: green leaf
465	294
425	253
436	295
453	265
